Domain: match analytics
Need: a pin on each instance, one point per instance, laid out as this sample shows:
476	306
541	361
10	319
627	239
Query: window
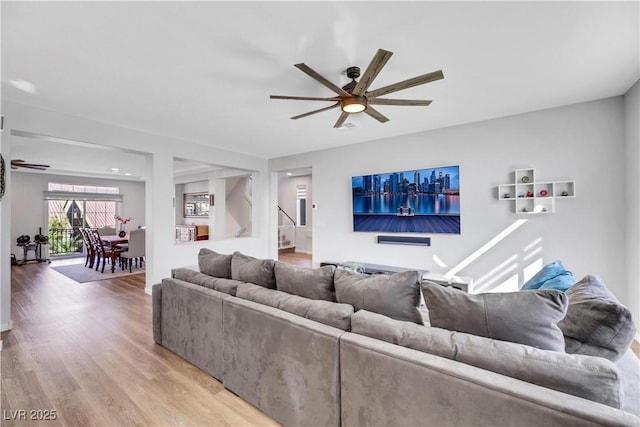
301	205
71	206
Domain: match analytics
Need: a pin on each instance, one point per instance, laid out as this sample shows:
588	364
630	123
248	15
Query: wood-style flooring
296	258
84	355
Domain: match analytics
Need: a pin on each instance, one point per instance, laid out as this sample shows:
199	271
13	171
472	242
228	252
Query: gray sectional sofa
332	347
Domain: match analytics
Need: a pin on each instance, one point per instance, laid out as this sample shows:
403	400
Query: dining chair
88	246
136	249
101	250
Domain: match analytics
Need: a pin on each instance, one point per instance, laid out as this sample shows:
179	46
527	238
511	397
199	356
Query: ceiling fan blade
313	74
376	114
341	120
375	66
17	161
30	166
411	102
315	111
405	84
304	98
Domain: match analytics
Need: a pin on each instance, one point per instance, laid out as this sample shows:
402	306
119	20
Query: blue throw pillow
561	282
552	276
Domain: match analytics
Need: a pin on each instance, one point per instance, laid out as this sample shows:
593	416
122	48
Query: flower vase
122	233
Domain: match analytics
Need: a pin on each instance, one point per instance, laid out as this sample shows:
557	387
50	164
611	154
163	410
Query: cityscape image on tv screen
418	201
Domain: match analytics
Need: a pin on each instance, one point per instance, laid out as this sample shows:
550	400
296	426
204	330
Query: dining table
110	243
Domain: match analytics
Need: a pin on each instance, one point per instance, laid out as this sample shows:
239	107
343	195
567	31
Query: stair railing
286	232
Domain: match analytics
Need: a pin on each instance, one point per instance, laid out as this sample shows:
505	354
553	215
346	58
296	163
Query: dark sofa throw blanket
596	324
525	317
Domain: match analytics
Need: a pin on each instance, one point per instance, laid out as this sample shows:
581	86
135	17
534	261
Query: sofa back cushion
395	295
306	282
525	317
596	324
253	270
330	313
214	264
592	378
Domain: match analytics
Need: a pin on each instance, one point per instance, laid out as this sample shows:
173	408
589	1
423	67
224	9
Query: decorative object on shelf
123	222
534	197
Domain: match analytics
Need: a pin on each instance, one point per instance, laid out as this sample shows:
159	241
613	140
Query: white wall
583	142
632	207
29	211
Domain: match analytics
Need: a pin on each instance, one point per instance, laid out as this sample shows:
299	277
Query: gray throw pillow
596	324
525	317
592	378
253	270
214	264
306	282
395	295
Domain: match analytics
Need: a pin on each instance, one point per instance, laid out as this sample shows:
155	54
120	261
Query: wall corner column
160	217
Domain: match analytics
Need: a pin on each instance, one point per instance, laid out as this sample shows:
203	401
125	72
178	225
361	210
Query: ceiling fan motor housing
353	72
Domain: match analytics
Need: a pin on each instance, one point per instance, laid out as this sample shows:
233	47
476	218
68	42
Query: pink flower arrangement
123	220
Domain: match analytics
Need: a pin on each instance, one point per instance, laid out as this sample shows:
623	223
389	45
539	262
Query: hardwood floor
296	258
84	355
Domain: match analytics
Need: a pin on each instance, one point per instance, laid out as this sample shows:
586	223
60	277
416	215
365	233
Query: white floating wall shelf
533	197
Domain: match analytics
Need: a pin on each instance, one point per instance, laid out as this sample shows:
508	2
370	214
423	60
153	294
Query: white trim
6	326
69	195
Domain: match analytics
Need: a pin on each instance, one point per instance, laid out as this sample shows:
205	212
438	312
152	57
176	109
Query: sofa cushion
592	378
396	295
552	276
330	313
253	270
629	367
525	317
214	264
306	282
596	324
228	286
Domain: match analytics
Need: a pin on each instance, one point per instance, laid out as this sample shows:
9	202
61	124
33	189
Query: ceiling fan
354	96
15	164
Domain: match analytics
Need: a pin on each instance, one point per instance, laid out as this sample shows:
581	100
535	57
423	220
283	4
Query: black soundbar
405	240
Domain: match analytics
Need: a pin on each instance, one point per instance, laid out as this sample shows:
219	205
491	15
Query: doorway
295	216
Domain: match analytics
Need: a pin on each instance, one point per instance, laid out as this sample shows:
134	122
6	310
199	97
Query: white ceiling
203	71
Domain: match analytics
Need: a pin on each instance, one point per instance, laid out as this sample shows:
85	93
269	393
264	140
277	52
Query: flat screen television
413	201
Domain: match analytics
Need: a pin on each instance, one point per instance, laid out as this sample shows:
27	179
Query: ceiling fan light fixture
355	104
